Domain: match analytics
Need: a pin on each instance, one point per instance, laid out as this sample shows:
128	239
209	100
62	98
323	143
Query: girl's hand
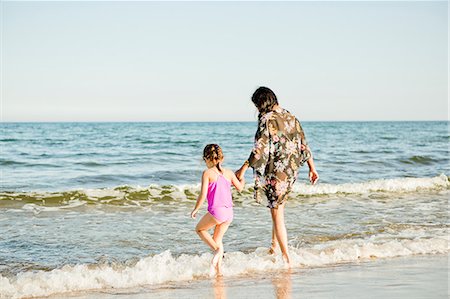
194	214
313	176
240	173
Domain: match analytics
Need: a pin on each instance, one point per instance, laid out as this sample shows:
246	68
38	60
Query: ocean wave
398	185
166	267
424	160
157	194
13	163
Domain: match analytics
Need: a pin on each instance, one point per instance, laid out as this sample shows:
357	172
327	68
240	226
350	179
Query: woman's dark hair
213	152
264	99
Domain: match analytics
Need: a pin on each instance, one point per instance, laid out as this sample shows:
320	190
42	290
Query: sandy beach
408	277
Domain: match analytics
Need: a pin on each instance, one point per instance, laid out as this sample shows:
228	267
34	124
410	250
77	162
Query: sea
86	207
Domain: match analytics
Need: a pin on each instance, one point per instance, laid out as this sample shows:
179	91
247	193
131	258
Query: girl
216	187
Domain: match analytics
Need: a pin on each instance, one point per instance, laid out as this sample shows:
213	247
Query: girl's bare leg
219	232
202	228
280	231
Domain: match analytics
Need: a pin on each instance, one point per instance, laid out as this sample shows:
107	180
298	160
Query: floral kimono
277	155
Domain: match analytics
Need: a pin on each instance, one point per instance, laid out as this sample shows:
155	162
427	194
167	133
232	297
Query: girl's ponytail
213	152
218	152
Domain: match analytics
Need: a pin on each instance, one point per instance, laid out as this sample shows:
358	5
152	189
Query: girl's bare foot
216	257
219	264
212	271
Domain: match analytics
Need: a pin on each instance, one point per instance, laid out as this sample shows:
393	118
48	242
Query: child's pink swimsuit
220	204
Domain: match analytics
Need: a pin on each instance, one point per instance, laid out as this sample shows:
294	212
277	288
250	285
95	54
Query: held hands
241	172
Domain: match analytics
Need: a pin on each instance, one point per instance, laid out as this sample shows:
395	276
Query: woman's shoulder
283	111
287	114
281	115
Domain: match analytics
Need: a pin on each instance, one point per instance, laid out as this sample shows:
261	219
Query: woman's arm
313	175
202	196
306	155
260	152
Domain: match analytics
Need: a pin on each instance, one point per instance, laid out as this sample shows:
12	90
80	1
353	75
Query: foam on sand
165	267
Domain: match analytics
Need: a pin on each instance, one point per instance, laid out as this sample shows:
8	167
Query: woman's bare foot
287	261
272	249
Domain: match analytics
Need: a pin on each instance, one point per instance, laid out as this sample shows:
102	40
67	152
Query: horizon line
209	121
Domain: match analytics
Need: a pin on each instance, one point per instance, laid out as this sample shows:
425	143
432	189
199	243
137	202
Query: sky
201	61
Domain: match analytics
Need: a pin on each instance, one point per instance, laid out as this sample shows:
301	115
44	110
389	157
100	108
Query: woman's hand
313	176
194	213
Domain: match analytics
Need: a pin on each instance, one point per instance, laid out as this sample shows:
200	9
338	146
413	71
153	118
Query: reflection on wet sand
219	288
282	285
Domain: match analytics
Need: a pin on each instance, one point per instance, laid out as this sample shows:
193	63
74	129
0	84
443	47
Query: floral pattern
277	155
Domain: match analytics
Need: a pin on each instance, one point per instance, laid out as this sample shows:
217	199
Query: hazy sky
201	61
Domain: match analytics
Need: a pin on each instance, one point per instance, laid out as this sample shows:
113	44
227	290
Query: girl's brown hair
213	152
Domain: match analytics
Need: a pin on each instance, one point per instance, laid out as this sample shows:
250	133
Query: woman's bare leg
274	244
280	231
202	228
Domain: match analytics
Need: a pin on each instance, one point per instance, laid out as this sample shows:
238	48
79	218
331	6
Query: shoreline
421	276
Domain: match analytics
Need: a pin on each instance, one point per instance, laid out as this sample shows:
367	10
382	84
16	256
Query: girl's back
219	190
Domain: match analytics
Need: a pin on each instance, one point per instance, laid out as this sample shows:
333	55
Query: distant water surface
64	156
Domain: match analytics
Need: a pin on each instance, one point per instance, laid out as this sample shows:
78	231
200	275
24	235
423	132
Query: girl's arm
202	196
241	171
238	183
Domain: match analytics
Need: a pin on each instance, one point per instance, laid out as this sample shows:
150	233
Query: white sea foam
397	185
135	195
165	267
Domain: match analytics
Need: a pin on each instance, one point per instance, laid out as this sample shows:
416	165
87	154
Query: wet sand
407	277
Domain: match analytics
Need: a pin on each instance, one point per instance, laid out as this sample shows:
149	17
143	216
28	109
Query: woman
280	150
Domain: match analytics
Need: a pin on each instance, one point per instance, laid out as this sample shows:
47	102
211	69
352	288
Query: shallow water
95	206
